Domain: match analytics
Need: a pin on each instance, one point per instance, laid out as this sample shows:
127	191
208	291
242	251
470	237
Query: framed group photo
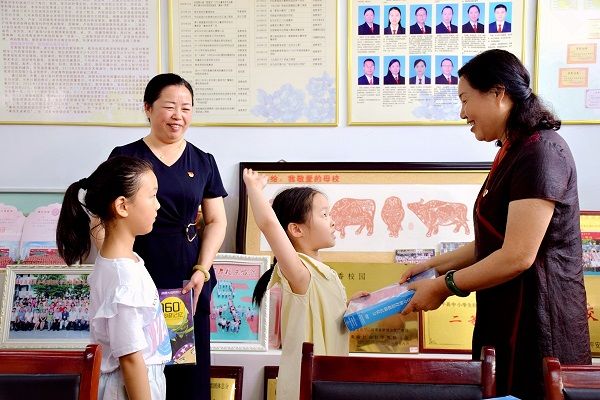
236	323
45	306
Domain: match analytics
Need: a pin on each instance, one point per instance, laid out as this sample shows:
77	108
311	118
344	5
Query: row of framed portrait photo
419	18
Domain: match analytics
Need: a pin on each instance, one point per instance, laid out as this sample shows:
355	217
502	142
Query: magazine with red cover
177	309
382	303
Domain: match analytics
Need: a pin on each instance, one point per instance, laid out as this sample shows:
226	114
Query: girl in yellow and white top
297	226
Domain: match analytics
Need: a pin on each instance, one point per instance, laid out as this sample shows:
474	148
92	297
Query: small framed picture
226	382
235	322
270	382
590	241
45	306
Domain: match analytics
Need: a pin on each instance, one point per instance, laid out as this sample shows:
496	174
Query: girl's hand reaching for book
360	293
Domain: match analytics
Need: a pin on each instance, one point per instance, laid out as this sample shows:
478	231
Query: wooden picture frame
270	382
48	289
589	222
411	181
371	245
590	242
236	323
449	329
226	382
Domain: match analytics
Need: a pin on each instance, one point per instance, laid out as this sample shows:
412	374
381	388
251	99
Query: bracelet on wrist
201	268
449	278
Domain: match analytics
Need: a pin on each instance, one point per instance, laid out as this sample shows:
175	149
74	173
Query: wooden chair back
570	382
50	374
350	378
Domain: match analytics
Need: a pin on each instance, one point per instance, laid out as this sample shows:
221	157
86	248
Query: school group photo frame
45	306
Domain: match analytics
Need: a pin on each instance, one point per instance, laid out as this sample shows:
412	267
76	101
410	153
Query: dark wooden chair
50	374
234	373
570	382
359	378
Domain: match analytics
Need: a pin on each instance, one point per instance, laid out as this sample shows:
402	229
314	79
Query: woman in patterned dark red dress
525	262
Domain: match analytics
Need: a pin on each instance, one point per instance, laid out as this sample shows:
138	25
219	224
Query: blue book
382	303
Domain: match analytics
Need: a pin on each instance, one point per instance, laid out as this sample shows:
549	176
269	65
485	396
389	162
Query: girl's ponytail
117	176
73	229
261	286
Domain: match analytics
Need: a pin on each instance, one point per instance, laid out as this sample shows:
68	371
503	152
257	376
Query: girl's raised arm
287	258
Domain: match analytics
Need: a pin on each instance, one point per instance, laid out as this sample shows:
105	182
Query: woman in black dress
526	260
188	180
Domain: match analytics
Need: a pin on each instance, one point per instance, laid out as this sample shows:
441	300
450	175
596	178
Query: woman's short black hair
156	85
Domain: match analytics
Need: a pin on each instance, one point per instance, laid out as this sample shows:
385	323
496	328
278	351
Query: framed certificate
590	242
449	329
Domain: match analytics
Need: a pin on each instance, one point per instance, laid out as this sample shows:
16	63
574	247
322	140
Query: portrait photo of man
473	25
420	70
420	27
368	77
369	27
446	25
500	24
446	77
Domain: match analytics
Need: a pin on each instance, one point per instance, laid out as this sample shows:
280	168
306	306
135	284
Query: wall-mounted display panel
83	62
257	62
403	56
567	67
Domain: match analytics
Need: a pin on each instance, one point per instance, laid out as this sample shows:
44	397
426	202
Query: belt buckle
187	232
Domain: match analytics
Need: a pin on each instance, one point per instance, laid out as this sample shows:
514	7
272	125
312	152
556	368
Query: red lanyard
499	156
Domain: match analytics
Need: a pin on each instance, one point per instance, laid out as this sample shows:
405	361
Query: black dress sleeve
544	170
